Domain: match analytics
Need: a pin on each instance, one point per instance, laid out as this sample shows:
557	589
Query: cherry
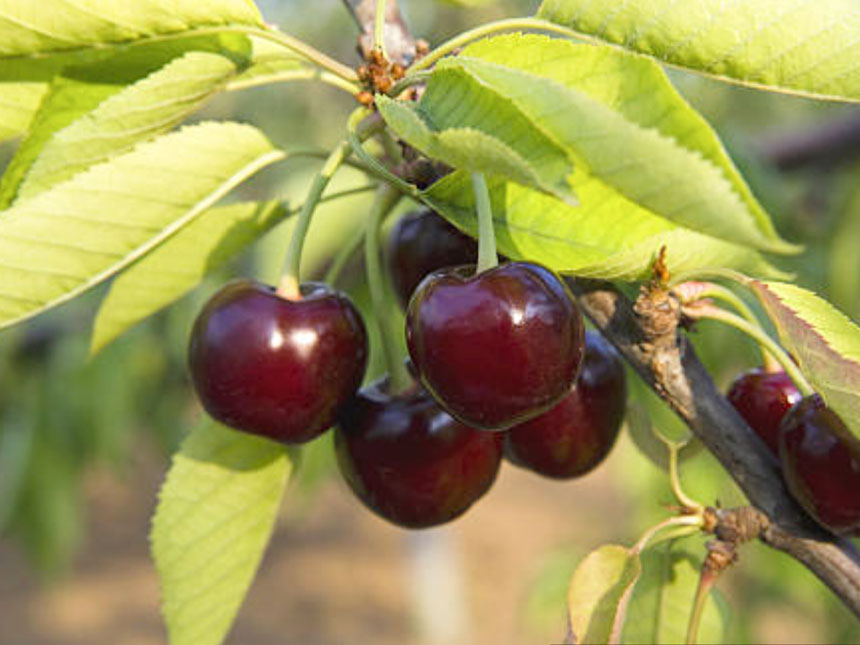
497	348
821	465
276	367
578	433
422	242
411	462
762	399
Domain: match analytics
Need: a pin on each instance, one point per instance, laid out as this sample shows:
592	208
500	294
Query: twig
643	333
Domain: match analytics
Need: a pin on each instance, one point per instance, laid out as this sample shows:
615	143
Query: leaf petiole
705	311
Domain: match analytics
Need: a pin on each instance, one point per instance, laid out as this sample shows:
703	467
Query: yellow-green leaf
80	232
806	47
600	584
215	514
824	342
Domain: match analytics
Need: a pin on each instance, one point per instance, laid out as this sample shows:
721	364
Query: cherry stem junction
399	377
706	311
487	256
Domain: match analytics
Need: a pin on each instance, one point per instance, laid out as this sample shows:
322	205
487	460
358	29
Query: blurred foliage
61	415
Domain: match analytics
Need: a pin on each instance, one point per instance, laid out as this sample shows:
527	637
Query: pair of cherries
502	350
819	457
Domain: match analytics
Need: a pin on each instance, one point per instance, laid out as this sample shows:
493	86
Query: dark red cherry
577	434
422	242
411	462
762	399
497	348
821	465
276	367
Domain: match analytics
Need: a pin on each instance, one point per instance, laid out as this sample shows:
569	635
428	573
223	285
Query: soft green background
62	415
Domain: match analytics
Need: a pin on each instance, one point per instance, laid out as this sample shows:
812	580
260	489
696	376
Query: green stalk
289	285
706	583
757	334
311	74
487	256
718	292
359	128
399	377
304	50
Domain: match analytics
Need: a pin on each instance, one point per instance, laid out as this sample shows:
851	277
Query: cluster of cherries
819	457
501	365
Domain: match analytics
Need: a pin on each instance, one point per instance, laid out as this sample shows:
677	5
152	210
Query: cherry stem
718	292
399	377
706	583
755	332
690	505
487	257
289	285
379	28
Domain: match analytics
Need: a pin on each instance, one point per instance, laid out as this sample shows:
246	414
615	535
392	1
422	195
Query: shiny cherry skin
762	399
821	465
578	433
276	367
497	348
422	242
411	462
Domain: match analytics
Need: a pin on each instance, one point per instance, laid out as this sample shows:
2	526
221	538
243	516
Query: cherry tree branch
646	334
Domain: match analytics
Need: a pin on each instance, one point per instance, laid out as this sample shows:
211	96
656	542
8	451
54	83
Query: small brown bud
365	98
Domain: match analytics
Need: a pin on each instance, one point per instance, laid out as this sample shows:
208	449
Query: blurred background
85	443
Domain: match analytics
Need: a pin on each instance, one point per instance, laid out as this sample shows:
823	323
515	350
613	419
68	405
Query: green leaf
18	103
606	236
24	82
66	100
30	29
215	514
825	343
137	113
461	123
623	124
180	264
598	589
662	600
796	46
80	232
